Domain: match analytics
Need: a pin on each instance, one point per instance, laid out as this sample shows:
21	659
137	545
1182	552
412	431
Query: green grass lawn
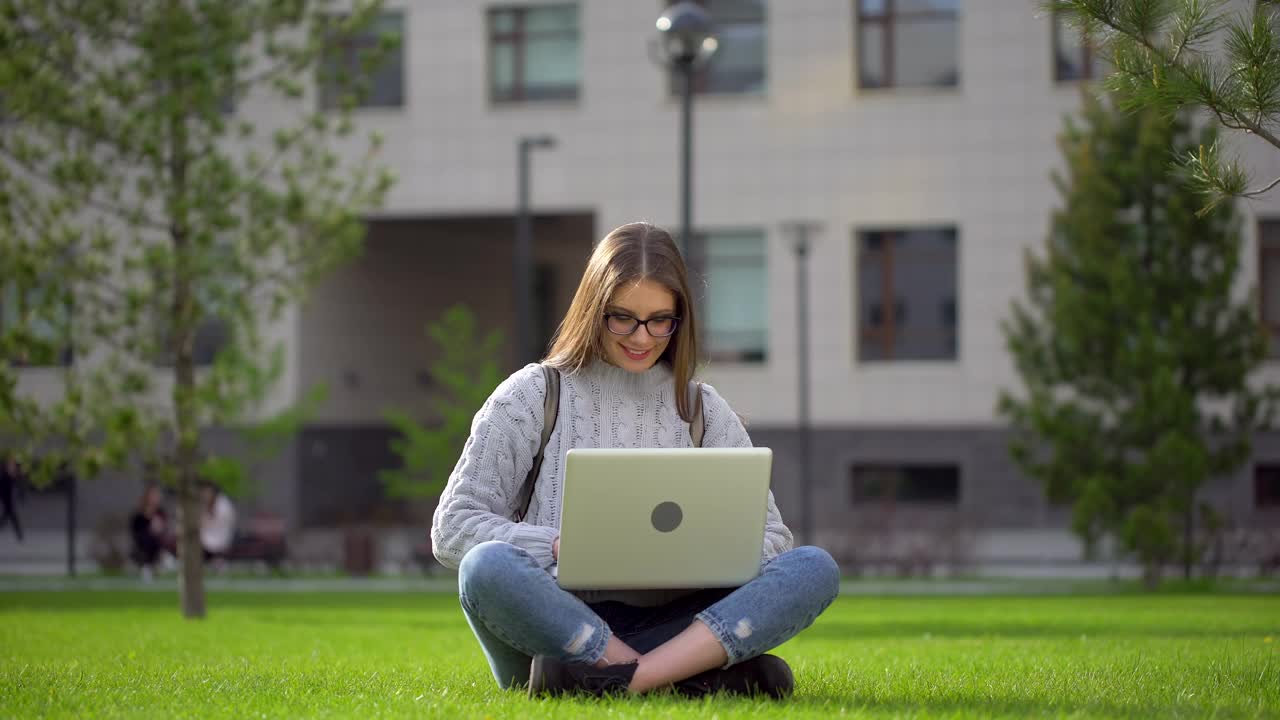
116	654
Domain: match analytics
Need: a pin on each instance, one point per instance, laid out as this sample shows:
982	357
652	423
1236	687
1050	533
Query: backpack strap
697	426
550	413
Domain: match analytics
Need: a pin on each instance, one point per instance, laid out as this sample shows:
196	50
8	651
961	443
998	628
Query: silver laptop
663	518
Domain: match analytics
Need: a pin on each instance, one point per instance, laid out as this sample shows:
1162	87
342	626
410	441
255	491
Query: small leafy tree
1175	54
1134	354
137	209
466	371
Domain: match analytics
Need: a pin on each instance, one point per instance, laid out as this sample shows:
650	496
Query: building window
213	332
738	64
1266	486
43	326
534	53
908	43
1074	57
345	75
734	309
1269	281
907	300
212	335
916	484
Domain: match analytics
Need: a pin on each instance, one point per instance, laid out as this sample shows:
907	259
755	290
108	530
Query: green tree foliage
1222	56
466	371
1134	353
138	207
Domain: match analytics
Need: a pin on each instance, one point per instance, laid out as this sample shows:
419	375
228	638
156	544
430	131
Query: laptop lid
663	518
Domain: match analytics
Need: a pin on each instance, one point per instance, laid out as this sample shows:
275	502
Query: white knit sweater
601	406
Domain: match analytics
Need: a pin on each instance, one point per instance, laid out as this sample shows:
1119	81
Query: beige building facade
918	138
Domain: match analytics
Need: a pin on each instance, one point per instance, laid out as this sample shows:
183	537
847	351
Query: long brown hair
631	253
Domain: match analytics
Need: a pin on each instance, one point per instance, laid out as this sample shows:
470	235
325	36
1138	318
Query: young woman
626	352
217	522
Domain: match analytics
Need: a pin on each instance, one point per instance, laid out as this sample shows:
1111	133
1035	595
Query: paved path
448	584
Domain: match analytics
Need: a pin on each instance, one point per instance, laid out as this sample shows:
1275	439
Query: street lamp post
685	41
524	249
801	231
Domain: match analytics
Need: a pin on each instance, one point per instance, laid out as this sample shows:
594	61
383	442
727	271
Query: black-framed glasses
659	327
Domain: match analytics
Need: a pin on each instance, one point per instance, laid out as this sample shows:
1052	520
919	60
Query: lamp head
685	30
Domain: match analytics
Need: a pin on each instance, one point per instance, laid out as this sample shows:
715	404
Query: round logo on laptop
666	516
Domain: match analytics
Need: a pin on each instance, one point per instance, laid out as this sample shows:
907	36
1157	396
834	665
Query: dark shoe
762	675
550	676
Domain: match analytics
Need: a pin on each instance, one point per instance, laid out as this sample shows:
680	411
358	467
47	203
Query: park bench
425	558
261	538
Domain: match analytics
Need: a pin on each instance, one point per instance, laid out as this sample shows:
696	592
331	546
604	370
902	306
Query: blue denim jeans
517	610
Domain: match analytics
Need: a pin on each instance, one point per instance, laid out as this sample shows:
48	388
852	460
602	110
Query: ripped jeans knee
788	595
517	610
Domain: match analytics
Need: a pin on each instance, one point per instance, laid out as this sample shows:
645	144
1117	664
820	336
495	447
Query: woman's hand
555	548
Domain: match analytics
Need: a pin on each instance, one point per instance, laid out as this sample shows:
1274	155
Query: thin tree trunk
191	586
187	436
186	424
187	450
186	420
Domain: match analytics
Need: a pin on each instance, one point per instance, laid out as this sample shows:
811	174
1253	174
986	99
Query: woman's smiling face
643	300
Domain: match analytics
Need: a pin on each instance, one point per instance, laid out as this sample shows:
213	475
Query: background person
149	529
11	479
217	522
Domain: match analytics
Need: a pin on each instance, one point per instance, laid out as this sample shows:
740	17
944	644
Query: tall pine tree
1134	351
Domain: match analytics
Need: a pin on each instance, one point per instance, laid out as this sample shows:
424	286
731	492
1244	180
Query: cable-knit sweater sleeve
482	493
724	429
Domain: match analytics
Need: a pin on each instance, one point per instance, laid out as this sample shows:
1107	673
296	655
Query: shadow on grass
976	587
55	601
1012	707
845	630
852	703
364	621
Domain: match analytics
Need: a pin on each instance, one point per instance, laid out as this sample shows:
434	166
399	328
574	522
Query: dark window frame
213	331
1266	474
348	48
889	302
212	336
859	496
889	21
1087	57
518	39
